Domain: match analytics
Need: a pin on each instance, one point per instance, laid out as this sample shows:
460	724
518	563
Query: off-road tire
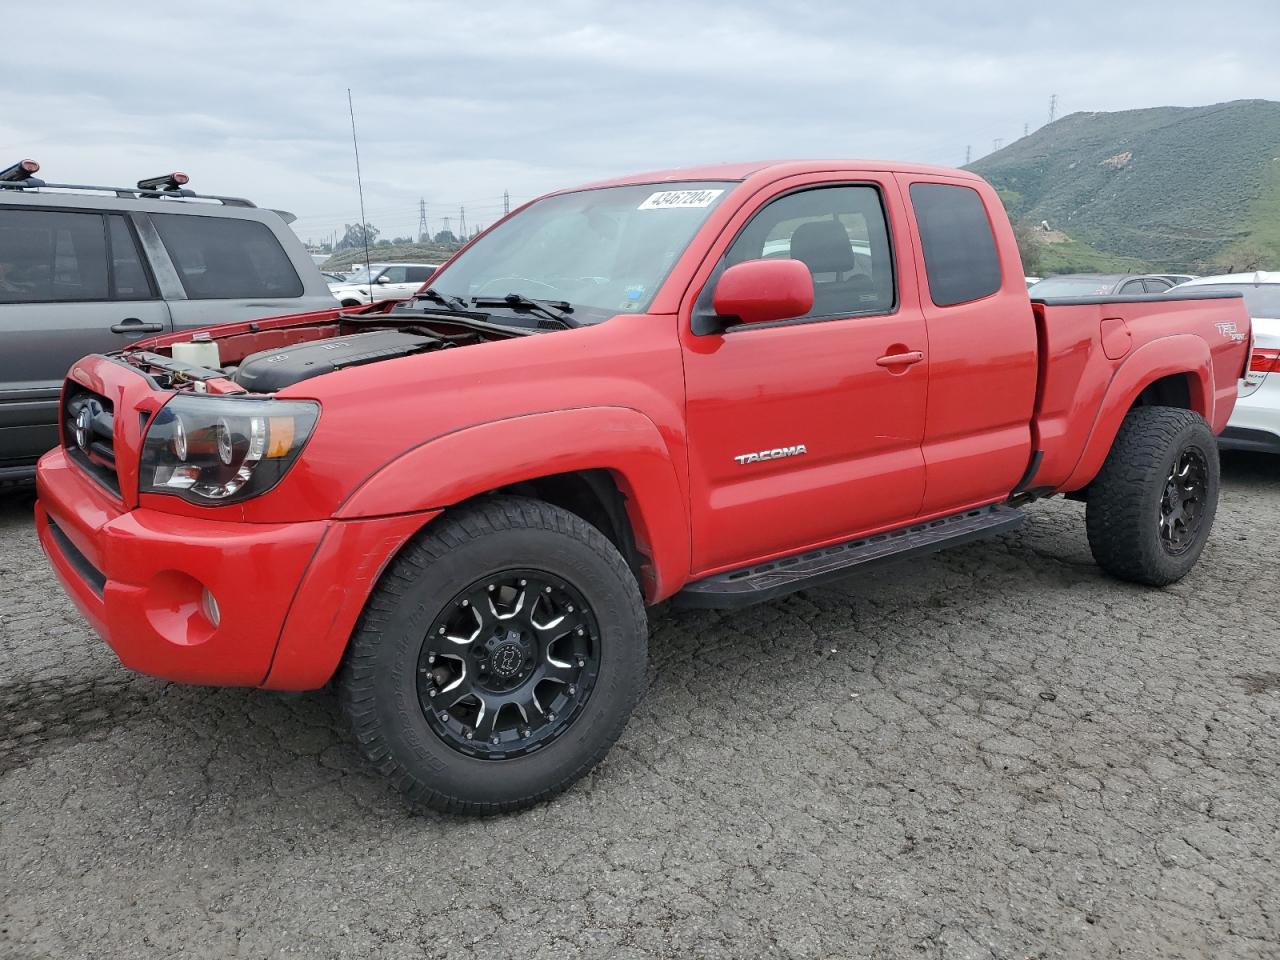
377	682
1123	510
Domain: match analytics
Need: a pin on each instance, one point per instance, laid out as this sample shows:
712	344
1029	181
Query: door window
840	234
393	274
960	257
418	274
1155	285
48	256
1132	287
220	258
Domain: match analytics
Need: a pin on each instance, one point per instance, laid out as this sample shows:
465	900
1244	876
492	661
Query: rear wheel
1152	505
498	659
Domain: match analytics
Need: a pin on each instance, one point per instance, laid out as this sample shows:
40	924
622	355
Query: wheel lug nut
524	583
491	588
524	731
466	603
551	718
569	608
581	631
547	590
431	692
431	658
468	733
494	740
572	689
444	718
441	631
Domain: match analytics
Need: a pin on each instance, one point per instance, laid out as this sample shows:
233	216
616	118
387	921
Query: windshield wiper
555	310
434	295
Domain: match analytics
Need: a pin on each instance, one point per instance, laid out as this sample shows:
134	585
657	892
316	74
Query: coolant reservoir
199	353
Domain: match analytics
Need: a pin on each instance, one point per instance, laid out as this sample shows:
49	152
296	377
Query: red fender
448	469
1180	354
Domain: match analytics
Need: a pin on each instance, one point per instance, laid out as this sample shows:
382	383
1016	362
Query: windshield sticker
679	199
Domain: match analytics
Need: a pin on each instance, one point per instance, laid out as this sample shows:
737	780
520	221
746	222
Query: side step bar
765	581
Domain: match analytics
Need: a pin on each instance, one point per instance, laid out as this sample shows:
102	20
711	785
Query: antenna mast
364	224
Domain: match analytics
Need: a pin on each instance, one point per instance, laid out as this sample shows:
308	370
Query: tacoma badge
777	453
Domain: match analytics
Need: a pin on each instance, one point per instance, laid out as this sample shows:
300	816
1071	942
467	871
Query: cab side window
960	257
840	234
47	256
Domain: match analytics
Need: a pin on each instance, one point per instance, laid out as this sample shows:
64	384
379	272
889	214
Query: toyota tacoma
708	386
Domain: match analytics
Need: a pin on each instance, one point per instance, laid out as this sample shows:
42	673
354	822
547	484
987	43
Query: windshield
361	275
1261	300
1073	286
603	251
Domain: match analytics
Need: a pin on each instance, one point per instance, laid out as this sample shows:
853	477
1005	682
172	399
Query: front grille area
88	434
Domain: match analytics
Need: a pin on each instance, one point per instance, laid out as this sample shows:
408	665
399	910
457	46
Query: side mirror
383	279
761	291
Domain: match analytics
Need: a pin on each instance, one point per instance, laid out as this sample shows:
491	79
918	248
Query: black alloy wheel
508	664
1182	503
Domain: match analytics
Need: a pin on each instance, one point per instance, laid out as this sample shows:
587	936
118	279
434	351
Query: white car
1255	424
382	281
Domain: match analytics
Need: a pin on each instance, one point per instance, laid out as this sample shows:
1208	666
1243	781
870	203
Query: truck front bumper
211	601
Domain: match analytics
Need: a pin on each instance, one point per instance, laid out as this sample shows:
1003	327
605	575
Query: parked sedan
382	281
1255	424
1098	285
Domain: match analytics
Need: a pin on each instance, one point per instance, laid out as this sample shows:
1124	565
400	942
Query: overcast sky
457	102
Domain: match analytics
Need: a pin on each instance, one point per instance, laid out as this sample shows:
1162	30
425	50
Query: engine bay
264	358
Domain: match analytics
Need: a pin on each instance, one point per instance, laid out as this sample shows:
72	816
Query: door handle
134	325
900	359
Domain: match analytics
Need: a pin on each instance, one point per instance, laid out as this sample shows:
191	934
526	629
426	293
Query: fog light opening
209	607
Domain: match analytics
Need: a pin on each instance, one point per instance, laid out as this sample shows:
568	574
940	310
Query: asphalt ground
996	752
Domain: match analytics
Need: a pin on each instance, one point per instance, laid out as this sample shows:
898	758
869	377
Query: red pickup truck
712	386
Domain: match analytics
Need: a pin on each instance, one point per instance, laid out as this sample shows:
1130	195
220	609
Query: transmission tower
462	222
1053	107
1026	128
446	225
968	153
506	202
422	221
996	144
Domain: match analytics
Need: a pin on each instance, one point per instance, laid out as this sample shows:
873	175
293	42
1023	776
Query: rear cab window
220	258
962	263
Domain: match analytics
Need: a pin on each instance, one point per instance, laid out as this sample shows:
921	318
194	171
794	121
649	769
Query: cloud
457	103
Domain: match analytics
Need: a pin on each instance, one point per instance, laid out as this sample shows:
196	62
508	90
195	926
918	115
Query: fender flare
1183	353
452	467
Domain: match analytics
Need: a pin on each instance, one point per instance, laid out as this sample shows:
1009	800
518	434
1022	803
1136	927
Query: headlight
213	450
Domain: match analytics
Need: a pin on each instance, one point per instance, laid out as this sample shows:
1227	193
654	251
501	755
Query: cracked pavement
995	752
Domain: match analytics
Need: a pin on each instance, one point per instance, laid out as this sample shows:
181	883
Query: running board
765	581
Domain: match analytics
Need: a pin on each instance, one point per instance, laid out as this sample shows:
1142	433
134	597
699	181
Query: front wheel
498	659
1152	505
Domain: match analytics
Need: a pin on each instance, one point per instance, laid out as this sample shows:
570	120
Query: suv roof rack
21	176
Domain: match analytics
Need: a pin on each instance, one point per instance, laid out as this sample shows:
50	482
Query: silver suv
90	269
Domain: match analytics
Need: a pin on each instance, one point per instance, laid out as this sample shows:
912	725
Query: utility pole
968	153
422	221
1053	107
462	223
506	202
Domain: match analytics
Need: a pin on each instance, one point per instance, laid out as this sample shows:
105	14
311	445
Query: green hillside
1177	188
